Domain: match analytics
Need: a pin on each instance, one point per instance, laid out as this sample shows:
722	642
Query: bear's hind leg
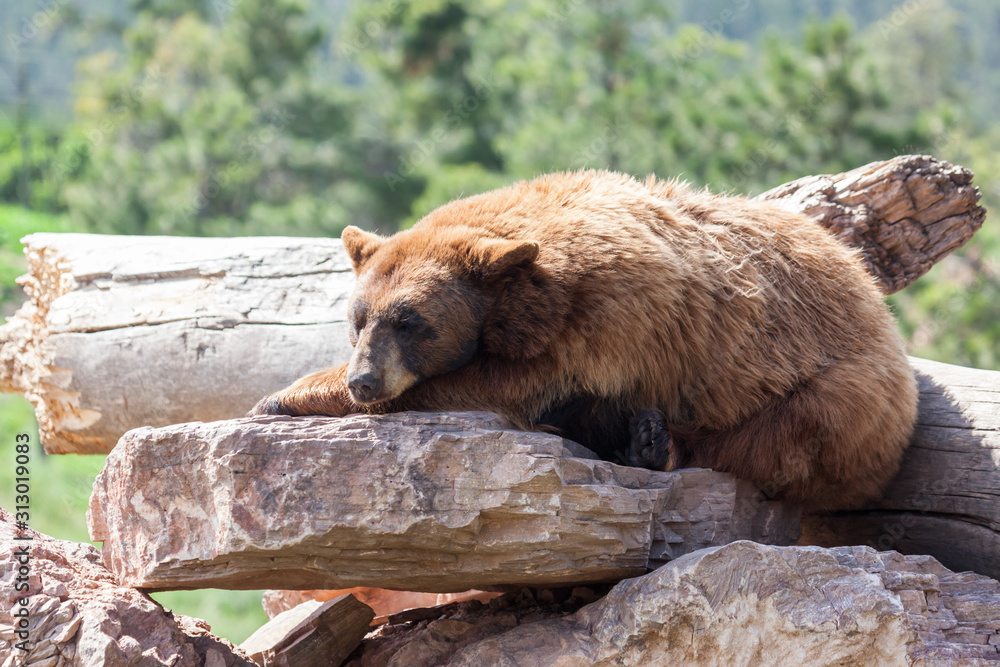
833	443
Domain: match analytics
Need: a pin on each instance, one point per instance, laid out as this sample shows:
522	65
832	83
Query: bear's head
427	301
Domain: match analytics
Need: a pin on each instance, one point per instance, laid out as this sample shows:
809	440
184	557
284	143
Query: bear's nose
364	387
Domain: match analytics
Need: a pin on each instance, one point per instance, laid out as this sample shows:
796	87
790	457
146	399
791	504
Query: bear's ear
491	258
360	245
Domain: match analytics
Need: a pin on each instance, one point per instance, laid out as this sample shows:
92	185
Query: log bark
122	332
904	214
125	331
945	501
435	502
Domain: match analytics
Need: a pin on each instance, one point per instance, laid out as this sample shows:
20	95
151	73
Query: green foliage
234	615
202	128
27	167
524	89
232	121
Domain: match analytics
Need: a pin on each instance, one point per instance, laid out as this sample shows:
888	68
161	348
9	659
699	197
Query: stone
432	502
382	600
738	604
78	615
433	636
313	634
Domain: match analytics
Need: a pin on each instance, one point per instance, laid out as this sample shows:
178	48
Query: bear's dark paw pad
270	405
650	445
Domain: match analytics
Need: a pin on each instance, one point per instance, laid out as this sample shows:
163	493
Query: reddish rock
383	601
740	604
78	615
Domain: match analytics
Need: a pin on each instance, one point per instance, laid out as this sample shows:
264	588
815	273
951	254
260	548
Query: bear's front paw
271	405
650	445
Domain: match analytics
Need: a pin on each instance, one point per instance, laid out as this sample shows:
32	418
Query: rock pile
77	614
740	604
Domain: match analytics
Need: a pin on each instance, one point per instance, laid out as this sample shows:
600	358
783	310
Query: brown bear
653	323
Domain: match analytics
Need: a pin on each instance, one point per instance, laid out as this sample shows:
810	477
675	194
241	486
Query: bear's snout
364	387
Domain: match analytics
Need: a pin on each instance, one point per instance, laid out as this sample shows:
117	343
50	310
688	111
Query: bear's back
698	299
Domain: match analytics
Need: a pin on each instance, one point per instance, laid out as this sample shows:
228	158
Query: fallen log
126	331
904	214
122	332
945	500
436	502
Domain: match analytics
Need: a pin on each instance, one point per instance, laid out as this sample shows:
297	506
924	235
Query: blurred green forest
244	117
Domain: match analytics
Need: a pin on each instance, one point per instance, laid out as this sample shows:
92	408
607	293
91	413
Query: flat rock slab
739	604
78	615
434	502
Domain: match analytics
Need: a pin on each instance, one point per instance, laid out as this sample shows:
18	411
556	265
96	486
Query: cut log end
903	214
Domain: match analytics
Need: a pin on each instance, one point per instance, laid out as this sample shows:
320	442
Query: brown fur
590	296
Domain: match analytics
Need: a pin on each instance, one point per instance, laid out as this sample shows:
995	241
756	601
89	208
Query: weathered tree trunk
123	332
128	331
945	501
905	214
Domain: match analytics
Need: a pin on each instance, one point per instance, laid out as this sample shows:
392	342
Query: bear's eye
357	318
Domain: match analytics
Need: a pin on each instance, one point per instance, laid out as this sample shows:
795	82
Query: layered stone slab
435	502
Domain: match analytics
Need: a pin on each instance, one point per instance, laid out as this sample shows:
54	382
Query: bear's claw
650	445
